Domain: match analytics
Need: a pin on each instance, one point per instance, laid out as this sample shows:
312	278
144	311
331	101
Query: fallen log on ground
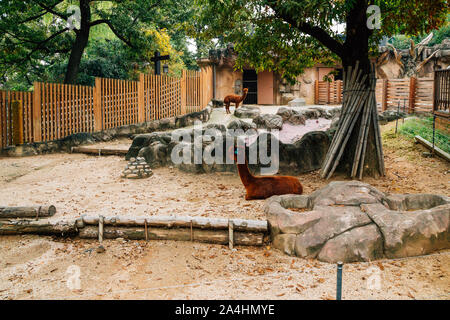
429	145
27	212
41	227
180	234
99	151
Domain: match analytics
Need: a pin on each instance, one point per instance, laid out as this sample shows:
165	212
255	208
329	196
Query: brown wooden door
265	87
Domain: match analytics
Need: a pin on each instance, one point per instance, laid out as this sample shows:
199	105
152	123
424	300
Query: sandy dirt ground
34	267
41	268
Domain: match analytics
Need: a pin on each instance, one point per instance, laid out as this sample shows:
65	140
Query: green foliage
424	128
403	41
35	43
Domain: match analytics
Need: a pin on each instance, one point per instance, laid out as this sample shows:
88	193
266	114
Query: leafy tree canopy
288	35
36	40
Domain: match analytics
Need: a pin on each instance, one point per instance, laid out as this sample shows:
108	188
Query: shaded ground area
40	268
35	267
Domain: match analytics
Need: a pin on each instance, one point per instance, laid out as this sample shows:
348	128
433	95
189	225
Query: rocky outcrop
268	121
240	124
304	155
353	221
247	112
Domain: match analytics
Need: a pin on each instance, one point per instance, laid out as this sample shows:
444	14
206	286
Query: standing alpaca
235	99
264	187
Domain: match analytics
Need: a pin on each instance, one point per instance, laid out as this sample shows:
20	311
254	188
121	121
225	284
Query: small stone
100	249
427	154
132	159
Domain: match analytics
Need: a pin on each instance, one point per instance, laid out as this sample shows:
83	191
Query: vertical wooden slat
384	95
37	134
412	94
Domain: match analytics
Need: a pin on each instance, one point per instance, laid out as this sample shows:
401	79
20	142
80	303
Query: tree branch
50	9
113	29
314	31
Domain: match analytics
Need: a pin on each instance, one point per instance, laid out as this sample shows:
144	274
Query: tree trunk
356	49
80	43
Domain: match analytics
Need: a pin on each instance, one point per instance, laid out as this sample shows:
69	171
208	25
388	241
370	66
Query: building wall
304	88
225	82
283	92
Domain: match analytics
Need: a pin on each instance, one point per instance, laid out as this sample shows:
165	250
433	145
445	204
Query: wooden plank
36	122
429	145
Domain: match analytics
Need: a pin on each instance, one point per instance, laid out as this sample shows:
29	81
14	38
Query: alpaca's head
245	90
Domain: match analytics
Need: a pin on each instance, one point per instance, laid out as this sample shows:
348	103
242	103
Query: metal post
398	114
434	131
339	281
404	110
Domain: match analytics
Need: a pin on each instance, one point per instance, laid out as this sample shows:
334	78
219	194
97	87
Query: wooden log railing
54	110
209	230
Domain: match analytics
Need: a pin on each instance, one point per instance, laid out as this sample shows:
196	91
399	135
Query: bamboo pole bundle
359	104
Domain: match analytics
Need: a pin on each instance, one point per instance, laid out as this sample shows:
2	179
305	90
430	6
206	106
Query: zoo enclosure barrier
53	110
441	101
415	95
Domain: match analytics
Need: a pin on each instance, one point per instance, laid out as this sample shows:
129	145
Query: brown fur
235	99
264	187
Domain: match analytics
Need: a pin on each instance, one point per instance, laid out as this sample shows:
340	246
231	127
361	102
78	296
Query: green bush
424	128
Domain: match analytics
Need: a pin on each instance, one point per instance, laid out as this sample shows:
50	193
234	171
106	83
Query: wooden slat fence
415	94
53	110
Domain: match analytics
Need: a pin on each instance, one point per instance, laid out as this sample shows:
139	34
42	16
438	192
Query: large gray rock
360	244
247	112
353	221
269	121
240	124
412	233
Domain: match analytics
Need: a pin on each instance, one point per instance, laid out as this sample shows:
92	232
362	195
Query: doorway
250	81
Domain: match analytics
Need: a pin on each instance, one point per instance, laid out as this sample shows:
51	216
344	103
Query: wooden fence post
141	103
384	95
183	92
412	94
316	92
339	92
37	108
328	92
17	122
98	121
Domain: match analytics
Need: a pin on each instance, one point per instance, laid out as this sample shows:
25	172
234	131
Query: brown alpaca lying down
235	99
264	187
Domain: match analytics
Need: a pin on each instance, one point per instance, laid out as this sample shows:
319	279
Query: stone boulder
268	121
247	112
353	221
240	124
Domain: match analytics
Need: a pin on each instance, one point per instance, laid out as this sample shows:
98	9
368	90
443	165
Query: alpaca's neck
244	95
246	177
